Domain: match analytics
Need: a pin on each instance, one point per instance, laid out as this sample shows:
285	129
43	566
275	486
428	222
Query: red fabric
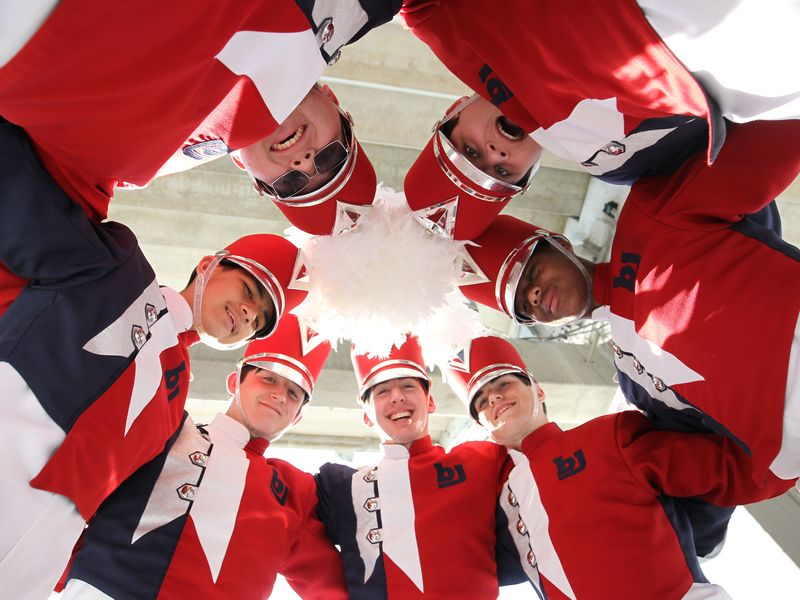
722	303
553	54
99	432
268	538
603	518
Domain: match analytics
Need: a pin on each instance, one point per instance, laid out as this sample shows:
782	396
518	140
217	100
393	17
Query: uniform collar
601	283
178	308
398	451
537	438
228	432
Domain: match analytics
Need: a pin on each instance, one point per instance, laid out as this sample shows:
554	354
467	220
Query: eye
293	393
470	152
482	403
248	291
502	172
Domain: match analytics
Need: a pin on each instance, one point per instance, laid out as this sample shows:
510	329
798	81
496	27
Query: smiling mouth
289	141
231	319
406	414
502	410
509	130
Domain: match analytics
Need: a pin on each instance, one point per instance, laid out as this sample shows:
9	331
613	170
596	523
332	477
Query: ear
236	157
230	382
367	421
539	391
328	92
431	404
201	266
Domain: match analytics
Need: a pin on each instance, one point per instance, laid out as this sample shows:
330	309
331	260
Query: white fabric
397	512
267	57
220	493
534	515
668	367
76	588
787	463
19	20
706	591
37	529
744	52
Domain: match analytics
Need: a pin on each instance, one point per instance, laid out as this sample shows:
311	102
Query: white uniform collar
228	432
178	308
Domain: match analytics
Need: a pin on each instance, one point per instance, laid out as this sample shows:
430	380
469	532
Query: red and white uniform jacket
110	91
420	524
594	506
93	350
210	517
591	83
703	302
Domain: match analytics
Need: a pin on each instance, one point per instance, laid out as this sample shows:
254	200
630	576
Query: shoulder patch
207	149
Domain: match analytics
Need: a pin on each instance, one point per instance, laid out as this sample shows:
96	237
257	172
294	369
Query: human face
270	402
507	409
552	288
398	409
235	305
493	143
311	126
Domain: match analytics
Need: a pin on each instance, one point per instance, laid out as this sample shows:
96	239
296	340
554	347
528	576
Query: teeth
509	136
502	410
400	415
290	141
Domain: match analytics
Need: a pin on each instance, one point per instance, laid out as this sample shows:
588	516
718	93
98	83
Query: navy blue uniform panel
378	12
44	235
709	523
760	226
108	539
509	570
335	510
768	218
666	155
685	532
54	325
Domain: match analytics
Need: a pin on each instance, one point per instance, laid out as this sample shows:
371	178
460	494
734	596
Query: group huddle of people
110	490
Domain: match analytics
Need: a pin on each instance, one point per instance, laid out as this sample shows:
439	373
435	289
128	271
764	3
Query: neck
187	294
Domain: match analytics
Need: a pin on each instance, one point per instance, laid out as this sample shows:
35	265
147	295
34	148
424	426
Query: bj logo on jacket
279	489
628	270
447	476
497	90
570	465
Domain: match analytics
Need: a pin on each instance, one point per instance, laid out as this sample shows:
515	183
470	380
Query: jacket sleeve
44	235
758	161
703	465
314	567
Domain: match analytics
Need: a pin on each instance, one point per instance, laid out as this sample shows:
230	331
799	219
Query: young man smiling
591	501
74	428
421	523
688	270
211	516
104	110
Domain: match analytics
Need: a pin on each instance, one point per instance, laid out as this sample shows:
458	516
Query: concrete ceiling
395	89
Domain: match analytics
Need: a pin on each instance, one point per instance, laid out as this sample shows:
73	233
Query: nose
280	392
534	294
305	161
496	151
397	395
249	310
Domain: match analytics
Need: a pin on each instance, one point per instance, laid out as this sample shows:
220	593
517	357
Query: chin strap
200	281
